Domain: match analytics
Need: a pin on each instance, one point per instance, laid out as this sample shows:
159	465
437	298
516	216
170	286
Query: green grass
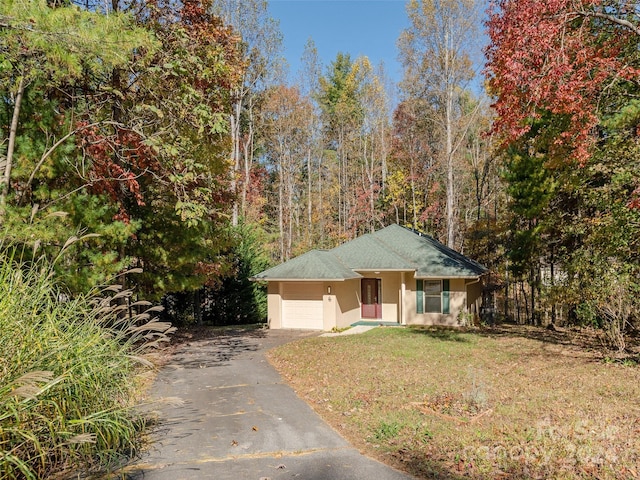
68	374
442	403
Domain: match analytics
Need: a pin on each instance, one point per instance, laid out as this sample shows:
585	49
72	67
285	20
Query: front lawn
514	402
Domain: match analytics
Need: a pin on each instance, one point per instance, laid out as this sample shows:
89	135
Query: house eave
380	270
440	277
306	280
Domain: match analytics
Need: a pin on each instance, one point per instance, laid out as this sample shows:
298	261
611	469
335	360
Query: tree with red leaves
118	126
163	156
560	57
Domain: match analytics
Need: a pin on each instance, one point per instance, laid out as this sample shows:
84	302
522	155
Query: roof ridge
396	251
338	258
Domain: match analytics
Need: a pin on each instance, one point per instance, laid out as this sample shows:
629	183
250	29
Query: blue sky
357	27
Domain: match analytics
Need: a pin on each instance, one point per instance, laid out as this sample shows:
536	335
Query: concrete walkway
352	331
240	421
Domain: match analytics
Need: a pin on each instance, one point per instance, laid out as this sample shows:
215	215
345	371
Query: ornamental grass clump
68	373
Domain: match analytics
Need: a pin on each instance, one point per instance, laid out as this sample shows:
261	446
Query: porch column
403	320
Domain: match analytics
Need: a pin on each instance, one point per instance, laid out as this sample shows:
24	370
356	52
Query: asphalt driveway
238	419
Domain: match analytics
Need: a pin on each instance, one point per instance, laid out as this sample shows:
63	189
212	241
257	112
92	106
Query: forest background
166	136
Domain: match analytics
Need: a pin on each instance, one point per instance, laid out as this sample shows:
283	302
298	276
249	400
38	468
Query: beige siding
274	305
457	300
341	300
457	304
409	299
330	306
347	305
474	298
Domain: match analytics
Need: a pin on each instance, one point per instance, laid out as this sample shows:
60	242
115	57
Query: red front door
371	298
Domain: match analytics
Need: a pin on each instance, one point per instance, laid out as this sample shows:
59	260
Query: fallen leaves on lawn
451	407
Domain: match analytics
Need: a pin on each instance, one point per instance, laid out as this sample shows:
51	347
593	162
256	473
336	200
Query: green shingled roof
313	265
392	248
368	253
430	257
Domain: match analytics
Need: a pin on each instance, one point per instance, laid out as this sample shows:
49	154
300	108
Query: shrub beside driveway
69	375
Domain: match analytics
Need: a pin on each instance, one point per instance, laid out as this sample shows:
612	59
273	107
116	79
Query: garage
302	305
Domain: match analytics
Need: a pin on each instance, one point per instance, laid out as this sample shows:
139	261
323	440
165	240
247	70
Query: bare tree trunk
6	178
413	193
516	298
248	161
235	156
506	286
478	194
321	202
372	205
451	224
535	276
370	167
281	211
383	157
290	210
525	300
553	282
340	181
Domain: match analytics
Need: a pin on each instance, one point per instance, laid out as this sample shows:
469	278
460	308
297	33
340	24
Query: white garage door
302	306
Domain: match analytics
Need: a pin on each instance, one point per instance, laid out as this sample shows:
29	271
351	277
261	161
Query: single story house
393	275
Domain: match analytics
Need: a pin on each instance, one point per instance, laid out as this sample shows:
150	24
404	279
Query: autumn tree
436	55
53	63
138	157
558	57
287	119
412	169
177	109
47	47
374	144
355	127
309	85
564	79
341	115
261	42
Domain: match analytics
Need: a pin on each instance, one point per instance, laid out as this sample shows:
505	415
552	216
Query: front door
371	298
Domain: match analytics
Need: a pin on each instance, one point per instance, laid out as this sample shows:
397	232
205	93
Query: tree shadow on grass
422	465
582	342
445	334
585	338
579	342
